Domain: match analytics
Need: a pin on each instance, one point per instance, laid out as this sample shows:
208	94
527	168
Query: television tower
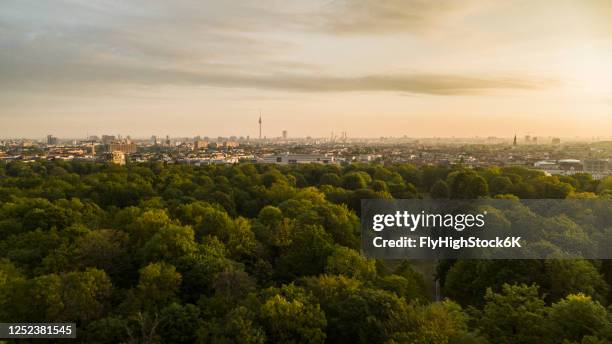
260	125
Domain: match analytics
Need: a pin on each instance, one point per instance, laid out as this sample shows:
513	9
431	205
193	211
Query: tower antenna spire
260	124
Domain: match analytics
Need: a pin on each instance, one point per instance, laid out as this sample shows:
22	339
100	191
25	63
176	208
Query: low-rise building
573	165
285	159
596	165
124	146
546	165
117	157
200	144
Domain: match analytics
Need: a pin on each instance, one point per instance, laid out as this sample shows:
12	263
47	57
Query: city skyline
521	138
369	68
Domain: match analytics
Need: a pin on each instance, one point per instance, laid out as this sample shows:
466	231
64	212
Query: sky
370	68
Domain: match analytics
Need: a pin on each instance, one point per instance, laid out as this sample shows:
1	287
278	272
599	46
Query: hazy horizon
371	68
337	136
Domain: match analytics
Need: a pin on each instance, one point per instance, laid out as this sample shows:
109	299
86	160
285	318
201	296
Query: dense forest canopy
254	253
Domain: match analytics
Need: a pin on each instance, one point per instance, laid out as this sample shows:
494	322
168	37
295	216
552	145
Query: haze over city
370	68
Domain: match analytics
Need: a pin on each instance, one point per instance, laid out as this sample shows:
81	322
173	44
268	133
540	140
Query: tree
75	296
440	190
202	268
478	187
146	225
158	285
28	249
345	261
439	322
578	316
307	254
553	189
8	272
105	249
330	179
170	244
467	281
270	215
240	239
355	180
205	218
337	220
290	316
501	185
380	186
179	323
238	326
467	185
605	185
357	314
85	294
354	199
516	315
405	282
108	330
566	277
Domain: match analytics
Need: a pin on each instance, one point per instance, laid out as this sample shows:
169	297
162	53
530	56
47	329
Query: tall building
51	140
284	134
124	146
514	143
108	139
556	141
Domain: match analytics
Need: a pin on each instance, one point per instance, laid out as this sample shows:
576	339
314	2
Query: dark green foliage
440	190
290	315
251	253
467	280
179	324
467	185
307	254
516	315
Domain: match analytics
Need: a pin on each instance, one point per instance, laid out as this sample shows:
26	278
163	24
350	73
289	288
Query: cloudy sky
368	67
